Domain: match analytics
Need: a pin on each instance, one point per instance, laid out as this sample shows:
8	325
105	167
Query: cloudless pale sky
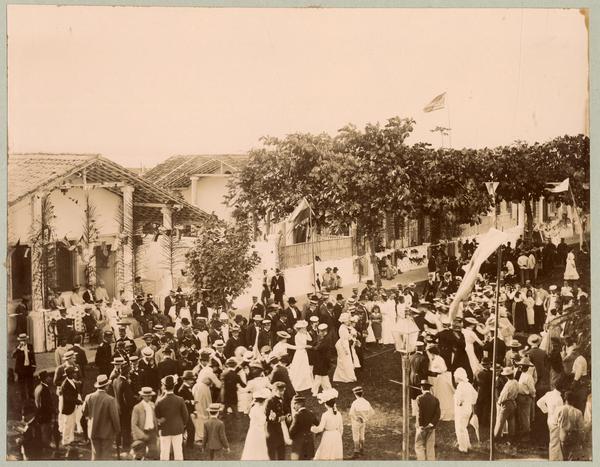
141	84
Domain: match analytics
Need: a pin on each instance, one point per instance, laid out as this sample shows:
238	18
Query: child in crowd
360	412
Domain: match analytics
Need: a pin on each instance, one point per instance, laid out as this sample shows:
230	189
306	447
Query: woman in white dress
299	370
255	447
244	397
442	387
406	332
571	273
471	340
465	398
282	347
347	359
202	399
332	427
388	312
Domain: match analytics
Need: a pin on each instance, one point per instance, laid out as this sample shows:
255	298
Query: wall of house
210	196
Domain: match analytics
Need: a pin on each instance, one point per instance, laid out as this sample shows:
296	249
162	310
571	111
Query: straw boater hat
322	326
283	334
534	339
344	318
507	370
22	337
147	352
101	381
214	408
314	319
261	394
425	383
146	391
68	354
219	344
327	395
300	324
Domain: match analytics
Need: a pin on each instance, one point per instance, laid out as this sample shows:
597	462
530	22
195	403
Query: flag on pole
491	187
559	187
438	103
488	243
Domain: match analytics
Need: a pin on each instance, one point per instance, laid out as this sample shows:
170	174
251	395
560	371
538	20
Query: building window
20	272
65	268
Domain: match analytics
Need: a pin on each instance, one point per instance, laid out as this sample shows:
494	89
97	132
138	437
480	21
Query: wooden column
35	252
127	243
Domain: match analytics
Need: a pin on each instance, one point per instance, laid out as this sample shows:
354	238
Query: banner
488	244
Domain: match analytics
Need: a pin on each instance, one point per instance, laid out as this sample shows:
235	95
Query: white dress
255	447
347	359
299	370
442	387
332	426
244	397
571	273
470	339
464	399
388	313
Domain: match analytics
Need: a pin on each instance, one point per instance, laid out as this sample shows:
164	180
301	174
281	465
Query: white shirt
510	269
531	262
522	261
360	410
550	403
579	367
149	408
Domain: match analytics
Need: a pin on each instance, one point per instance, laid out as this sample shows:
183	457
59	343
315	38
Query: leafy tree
447	185
366	179
279	174
221	260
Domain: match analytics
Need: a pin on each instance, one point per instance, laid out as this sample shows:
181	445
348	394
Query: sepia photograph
298	234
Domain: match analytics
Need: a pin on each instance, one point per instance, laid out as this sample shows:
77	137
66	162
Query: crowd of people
199	369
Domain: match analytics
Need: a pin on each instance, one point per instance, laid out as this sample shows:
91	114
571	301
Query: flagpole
576	215
312	247
449	125
494	354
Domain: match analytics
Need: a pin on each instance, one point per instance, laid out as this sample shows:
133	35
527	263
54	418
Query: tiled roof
27	172
176	170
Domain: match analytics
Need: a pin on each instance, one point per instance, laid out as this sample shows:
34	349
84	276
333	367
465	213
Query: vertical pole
405	403
494	354
312	248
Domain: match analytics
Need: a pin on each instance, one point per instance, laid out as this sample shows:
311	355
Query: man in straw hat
360	412
275	414
525	398
24	366
103	420
427	418
144	428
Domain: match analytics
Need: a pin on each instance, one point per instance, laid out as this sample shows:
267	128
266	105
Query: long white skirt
347	360
331	447
300	372
444	392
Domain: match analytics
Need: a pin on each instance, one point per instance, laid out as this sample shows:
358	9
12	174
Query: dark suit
446	344
173	409
25	372
280	373
167	367
331	321
429	409
185	392
293	315
103	359
484	395
89	297
231	345
303	440
80	359
278	289
101	411
70	396
428	412
125	400
257	309
418	369
214	436
275	442
148	375
321	357
430	290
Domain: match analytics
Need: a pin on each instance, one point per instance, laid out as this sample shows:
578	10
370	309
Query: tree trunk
529	225
435	229
374	261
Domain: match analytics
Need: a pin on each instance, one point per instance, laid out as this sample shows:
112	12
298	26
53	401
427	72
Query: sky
138	85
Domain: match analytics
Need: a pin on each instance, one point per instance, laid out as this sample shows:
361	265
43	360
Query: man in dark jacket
275	414
24	367
418	369
45	408
233	342
168	366
301	420
430	288
124	397
185	392
104	355
428	416
172	417
280	374
483	380
322	360
278	287
292	312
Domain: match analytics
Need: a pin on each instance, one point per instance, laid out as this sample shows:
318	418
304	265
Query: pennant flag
438	103
559	187
301	212
488	243
491	187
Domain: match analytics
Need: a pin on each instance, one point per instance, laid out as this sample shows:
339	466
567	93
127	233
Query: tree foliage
221	260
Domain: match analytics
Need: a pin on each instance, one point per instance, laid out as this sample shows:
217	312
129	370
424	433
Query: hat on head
357	390
507	370
552	287
485	362
139	297
188	375
231	362
327	395
223	316
299	399
300	324
291	300
524	362
147	391
344	318
471	320
147	335
22	337
147	352
257	318
248	356
158	327
185	321
68	354
425	383
514	344
460	375
534	339
314	319
266	321
214	408
339	297
218	344
108	333
101	381
118	361
283	334
322	327
133	358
